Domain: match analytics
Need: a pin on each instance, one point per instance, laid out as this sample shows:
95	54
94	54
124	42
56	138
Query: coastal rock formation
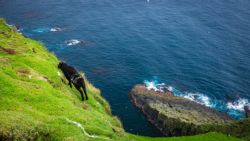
176	116
247	110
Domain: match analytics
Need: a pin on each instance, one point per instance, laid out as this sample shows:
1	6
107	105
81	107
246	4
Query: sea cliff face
176	116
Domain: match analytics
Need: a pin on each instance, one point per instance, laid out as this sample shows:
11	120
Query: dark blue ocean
200	49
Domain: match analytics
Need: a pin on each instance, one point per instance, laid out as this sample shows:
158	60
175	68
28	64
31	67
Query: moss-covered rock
176	116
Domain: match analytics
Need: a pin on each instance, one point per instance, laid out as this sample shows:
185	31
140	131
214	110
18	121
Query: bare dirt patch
7	50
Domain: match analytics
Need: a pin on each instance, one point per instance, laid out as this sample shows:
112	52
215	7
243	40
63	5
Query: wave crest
72	42
234	108
55	29
238	105
47	29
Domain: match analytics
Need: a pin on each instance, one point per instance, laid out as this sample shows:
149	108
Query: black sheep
73	77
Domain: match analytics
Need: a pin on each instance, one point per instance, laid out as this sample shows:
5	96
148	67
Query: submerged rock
176	116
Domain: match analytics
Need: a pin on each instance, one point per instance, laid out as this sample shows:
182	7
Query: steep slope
35	104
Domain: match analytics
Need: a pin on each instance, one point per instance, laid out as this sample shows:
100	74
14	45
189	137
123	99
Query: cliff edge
35	104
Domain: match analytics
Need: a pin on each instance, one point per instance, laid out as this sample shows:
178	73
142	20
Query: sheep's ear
59	64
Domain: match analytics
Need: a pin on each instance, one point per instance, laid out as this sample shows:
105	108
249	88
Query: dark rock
247	111
176	116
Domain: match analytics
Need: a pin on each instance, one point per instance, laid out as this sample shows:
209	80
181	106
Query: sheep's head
60	65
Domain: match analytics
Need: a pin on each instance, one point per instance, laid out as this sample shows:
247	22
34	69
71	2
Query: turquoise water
198	48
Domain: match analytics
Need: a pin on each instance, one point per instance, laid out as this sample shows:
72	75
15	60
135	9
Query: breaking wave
46	29
56	29
41	30
234	108
238	105
72	42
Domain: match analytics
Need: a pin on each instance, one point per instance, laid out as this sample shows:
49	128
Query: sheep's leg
84	89
70	83
79	89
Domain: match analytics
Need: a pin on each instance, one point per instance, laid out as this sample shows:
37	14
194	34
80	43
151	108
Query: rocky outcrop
176	116
247	111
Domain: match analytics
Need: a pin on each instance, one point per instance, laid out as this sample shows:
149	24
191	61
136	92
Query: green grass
35	103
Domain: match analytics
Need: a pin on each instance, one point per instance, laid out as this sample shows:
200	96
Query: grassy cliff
35	104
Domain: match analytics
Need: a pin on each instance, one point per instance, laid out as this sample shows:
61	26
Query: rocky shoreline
247	111
176	116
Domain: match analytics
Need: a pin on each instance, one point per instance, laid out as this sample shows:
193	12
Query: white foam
238	105
41	30
55	29
150	85
196	97
170	88
235	108
72	42
199	98
46	29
